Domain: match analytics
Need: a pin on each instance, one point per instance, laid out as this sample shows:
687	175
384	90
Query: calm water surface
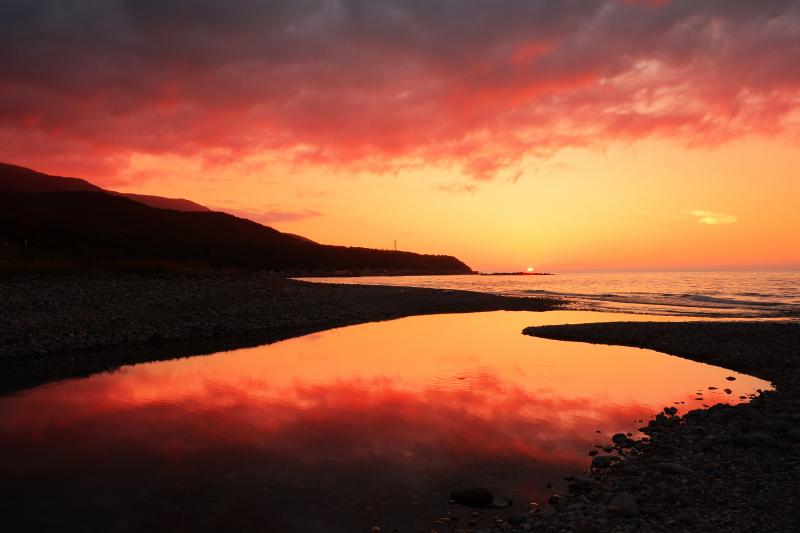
337	431
711	294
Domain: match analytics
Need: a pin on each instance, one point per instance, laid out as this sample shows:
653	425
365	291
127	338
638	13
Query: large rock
753	439
622	440
473	497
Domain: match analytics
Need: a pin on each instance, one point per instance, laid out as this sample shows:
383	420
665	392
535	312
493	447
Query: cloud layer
711	218
476	85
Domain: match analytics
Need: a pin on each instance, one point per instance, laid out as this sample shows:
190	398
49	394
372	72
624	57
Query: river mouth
343	430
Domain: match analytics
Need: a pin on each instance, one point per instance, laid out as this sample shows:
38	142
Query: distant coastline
515	273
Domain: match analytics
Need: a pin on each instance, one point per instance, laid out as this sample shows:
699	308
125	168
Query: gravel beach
726	468
67	324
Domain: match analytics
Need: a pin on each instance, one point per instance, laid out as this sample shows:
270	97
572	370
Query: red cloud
382	86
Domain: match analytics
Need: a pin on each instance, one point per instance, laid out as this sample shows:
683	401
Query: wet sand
68	324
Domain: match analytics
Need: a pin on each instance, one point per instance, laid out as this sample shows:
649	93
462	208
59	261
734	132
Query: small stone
753	439
780	426
622	440
581	483
517	519
673	468
500	503
625	503
548	513
602	461
630	469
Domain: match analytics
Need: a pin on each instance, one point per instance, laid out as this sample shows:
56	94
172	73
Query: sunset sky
572	135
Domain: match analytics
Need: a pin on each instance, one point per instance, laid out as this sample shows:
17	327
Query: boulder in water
473	497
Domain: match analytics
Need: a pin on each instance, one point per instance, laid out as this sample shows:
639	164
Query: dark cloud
380	84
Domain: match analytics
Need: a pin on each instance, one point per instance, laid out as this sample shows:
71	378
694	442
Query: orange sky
632	206
563	136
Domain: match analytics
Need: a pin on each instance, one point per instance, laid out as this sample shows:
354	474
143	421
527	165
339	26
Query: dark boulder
473	497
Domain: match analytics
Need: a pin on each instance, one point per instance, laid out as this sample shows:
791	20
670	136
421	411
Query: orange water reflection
371	423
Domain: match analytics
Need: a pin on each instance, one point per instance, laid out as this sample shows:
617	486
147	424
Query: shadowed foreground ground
718	469
68	324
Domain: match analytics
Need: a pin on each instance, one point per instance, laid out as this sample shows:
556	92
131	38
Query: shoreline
71	324
722	468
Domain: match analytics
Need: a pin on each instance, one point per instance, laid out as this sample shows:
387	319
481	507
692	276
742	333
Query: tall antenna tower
395	245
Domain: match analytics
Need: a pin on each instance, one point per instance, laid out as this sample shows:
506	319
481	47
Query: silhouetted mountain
14	178
21	179
97	225
161	202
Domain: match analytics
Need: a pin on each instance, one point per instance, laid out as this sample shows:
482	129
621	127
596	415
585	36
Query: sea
755	294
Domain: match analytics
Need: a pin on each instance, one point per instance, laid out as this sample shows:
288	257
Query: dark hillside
96	225
14	178
21	179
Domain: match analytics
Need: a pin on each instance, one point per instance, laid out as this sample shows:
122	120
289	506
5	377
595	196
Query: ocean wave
731	301
667	302
703	294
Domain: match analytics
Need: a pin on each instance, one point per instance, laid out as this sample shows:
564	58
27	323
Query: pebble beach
68	324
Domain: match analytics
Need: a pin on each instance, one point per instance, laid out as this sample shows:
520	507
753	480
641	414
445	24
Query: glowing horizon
632	135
